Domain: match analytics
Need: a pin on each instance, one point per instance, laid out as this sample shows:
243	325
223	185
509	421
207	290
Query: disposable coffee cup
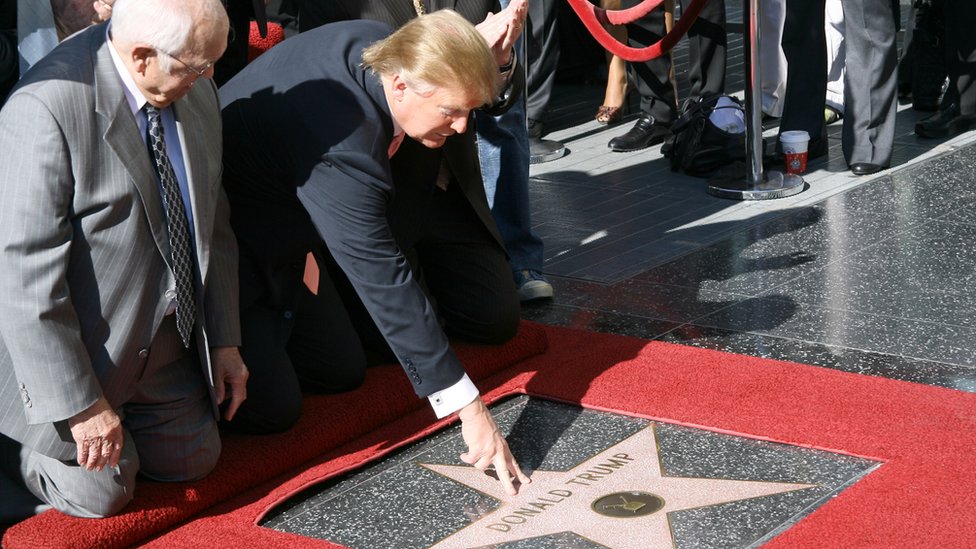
794	144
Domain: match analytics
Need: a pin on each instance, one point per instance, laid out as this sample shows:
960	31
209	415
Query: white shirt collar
132	94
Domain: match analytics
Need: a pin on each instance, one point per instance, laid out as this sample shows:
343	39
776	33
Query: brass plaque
628	504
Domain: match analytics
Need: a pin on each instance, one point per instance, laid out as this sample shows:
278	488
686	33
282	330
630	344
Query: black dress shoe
946	123
646	132
865	168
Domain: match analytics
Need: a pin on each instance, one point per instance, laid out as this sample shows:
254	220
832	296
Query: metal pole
754	142
757	185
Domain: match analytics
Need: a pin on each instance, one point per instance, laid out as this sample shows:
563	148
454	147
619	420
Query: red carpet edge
921	497
327	422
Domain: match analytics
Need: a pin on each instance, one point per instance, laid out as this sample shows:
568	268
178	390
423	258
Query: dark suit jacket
418	163
306	136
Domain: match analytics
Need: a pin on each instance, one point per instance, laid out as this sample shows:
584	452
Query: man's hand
487	446
103	10
502	29
98	433
229	373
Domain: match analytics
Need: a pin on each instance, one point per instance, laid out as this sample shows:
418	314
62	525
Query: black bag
699	146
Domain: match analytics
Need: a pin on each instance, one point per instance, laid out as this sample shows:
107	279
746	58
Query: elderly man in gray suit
118	269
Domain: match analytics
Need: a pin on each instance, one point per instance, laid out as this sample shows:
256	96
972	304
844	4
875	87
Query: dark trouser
870	82
542	50
706	59
323	343
961	54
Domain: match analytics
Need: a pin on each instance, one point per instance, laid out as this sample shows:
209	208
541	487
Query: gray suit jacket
84	251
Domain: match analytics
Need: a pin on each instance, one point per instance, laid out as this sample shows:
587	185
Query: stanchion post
757	185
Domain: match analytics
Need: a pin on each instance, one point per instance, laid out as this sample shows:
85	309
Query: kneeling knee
495	328
98	499
268	420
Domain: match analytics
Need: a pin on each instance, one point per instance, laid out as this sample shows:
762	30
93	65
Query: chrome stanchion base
774	185
544	150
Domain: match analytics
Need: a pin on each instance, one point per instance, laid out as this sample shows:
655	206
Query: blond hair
437	50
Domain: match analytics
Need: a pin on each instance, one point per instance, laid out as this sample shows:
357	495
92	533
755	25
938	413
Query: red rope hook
594	18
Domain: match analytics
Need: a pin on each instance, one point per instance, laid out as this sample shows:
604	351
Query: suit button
143	353
289	315
170	294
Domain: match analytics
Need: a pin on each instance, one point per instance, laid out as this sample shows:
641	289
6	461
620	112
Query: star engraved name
586	478
562	501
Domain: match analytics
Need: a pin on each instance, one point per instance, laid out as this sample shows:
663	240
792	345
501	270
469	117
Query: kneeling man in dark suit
310	132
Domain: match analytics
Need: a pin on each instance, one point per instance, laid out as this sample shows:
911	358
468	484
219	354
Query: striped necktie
176	222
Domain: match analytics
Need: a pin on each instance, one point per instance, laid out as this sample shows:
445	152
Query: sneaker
532	285
832	115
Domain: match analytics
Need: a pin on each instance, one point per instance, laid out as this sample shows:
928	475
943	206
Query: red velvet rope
594	18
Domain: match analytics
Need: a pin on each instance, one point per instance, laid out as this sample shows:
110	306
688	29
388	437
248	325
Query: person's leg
961	50
170	435
806	80
171	415
294	341
75	491
235	56
467	273
707	44
543	58
503	151
957	109
871	86
771	59
652	80
615	94
836	60
274	398
17	502
325	348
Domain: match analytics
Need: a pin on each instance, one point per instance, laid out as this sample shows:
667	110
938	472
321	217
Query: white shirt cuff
455	397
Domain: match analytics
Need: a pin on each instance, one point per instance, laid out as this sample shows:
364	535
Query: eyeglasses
188	69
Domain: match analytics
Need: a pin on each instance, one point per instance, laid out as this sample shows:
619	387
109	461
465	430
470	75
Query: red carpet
922	496
246	461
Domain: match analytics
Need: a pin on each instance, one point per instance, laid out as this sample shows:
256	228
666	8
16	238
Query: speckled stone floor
599	480
871	275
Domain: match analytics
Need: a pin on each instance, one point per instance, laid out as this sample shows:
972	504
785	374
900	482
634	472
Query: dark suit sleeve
511	94
346	197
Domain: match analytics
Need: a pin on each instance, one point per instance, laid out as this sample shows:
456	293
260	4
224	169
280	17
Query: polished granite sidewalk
868	275
598	480
871	275
865	274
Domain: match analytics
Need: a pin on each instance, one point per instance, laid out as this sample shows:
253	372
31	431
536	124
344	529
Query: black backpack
699	147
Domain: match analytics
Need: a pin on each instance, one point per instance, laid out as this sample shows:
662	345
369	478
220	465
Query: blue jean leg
503	149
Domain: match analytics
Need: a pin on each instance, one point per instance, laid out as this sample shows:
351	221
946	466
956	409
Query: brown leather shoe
609	115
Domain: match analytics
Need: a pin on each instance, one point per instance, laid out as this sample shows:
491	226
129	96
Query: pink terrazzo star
576	500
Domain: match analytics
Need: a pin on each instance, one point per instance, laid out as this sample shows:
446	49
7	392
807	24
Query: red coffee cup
794	144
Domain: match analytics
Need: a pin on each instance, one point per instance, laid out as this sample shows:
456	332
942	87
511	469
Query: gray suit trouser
870	85
170	436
